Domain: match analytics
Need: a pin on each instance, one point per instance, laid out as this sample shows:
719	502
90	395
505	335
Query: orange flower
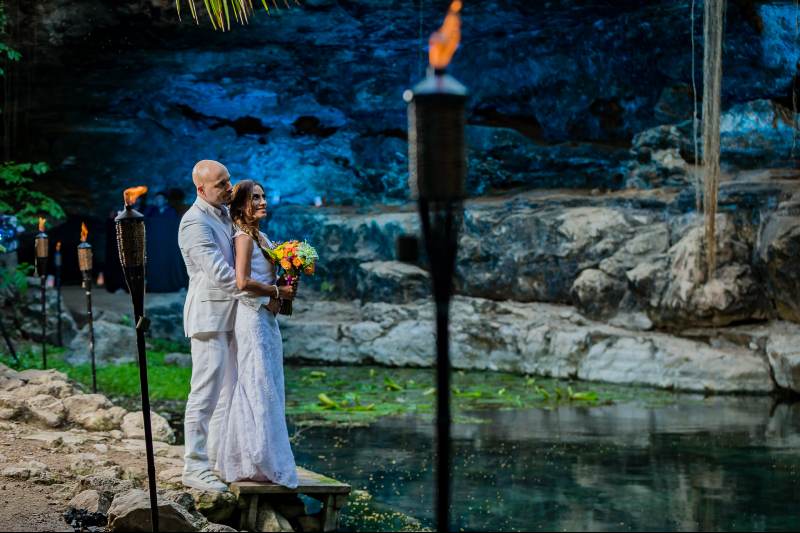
309	270
286	264
297	261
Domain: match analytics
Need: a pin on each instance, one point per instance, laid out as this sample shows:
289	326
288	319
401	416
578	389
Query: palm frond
219	11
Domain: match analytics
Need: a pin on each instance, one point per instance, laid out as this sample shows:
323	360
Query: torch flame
444	42
84	232
133	193
42	220
58	246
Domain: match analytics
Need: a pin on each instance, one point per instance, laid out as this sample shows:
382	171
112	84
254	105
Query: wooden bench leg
329	514
250	516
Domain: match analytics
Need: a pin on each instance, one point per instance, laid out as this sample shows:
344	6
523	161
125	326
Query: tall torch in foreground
42	252
131	244
437	170
85	265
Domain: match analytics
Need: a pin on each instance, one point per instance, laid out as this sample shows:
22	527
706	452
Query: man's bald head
208	170
213	182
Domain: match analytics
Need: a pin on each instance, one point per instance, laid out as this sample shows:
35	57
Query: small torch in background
131	245
437	171
85	265
42	245
57	264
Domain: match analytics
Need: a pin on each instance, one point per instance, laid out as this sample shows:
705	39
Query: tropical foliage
17	198
220	11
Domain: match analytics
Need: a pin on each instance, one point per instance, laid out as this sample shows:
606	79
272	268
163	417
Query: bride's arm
244	253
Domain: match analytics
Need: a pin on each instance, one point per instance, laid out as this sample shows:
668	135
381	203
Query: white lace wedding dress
254	440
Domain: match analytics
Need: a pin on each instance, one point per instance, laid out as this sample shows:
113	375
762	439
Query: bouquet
294	257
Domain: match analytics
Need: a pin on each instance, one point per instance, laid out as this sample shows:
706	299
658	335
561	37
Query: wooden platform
333	495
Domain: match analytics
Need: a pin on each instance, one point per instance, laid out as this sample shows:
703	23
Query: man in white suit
205	238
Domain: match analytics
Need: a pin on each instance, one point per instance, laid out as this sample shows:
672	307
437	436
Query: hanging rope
713	21
698	185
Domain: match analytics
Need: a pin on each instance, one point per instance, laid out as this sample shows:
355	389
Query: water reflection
714	464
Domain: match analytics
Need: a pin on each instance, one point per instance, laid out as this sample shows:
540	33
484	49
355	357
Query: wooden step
308	482
333	495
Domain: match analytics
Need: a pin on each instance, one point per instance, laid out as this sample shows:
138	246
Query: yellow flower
285	264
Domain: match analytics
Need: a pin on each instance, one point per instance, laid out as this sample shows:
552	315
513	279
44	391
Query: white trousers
213	370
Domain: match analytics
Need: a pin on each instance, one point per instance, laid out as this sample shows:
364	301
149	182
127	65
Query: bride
254	440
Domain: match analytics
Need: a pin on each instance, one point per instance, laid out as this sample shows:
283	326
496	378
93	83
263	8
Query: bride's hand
286	292
274	306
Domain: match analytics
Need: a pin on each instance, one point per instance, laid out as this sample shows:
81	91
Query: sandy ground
25	505
37	504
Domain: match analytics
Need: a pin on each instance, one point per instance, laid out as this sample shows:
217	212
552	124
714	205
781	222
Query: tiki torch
85	265
57	263
41	243
437	170
131	244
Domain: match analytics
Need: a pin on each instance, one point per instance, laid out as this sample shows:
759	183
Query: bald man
205	239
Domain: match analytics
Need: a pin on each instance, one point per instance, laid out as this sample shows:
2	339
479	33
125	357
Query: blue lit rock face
309	99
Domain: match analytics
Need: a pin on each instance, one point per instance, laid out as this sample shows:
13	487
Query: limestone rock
29	470
212	527
114	343
133	427
165	312
130	511
543	249
29	313
170	476
9	383
178	359
46	409
268	519
215	506
656	159
88	463
11	407
752	134
674	363
181	497
392	281
35	377
783	351
597	294
93	412
675	294
778	249
533	338
55	388
107	487
91	501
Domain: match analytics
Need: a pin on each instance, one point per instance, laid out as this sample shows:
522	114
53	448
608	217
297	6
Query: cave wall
308	99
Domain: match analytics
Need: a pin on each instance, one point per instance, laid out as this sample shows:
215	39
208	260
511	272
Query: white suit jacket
205	238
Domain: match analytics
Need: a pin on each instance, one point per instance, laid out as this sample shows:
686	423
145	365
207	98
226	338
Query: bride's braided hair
241	209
